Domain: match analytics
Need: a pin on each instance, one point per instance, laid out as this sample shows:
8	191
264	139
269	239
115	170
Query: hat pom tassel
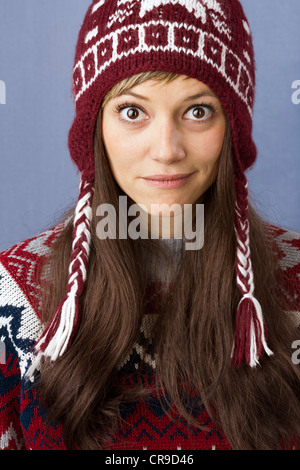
250	335
59	333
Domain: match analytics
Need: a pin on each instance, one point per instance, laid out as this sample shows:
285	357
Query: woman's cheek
211	146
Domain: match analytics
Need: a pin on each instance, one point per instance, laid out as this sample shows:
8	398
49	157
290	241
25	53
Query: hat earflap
59	334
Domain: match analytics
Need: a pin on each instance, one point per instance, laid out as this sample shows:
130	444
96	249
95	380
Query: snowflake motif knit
144	424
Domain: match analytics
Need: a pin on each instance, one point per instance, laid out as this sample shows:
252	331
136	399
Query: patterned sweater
145	425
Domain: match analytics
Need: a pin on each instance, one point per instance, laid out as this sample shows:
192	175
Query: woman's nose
167	142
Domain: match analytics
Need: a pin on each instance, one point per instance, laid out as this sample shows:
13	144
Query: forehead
182	86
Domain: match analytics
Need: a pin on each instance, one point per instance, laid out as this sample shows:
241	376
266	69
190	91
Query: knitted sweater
145	424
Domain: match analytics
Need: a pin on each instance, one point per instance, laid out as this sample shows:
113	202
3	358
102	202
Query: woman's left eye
200	113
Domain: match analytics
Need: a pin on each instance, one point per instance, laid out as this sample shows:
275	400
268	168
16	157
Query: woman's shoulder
287	244
20	269
21	262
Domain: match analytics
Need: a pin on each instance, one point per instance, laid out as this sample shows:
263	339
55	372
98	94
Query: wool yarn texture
209	40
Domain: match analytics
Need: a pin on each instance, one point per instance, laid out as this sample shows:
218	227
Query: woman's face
154	132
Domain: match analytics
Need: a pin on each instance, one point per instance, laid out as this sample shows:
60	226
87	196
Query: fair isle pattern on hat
209	40
169	36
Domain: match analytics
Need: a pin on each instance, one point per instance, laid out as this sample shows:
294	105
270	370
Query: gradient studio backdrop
38	180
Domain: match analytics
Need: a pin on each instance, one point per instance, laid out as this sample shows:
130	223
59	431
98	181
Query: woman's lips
168	181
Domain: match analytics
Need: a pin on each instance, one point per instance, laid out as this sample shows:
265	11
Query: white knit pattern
30	326
88	68
98	5
123	11
192	6
8	436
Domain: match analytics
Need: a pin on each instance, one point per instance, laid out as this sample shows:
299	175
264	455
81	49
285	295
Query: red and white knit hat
209	40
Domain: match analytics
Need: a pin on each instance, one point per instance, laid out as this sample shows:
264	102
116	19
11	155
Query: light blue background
37	178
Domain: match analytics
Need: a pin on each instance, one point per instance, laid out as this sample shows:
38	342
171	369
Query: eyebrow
189	98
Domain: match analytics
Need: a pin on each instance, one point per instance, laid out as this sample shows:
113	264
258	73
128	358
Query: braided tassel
60	332
250	335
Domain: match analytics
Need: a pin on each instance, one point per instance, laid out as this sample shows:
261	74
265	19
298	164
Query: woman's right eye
130	113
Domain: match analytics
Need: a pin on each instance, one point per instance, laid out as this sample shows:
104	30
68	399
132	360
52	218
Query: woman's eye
130	113
199	113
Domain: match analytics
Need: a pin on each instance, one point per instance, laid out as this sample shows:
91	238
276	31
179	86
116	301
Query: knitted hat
209	40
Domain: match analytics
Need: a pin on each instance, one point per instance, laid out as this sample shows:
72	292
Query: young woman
117	336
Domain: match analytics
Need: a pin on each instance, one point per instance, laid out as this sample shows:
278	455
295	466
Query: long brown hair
257	408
